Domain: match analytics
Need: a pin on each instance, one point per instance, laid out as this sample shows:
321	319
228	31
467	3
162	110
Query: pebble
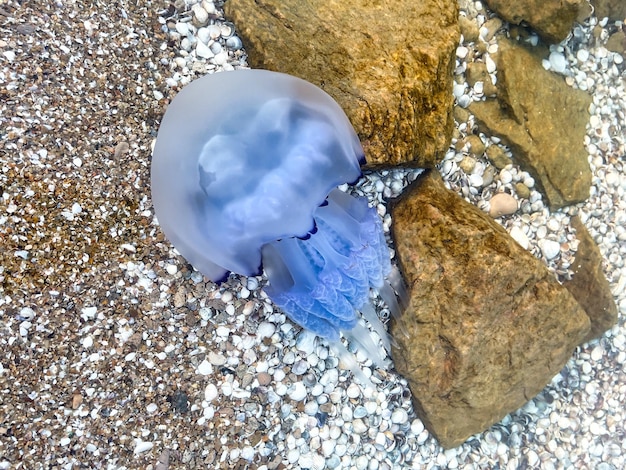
202	50
399	416
505	176
210	392
297	391
520	237
142	446
265	330
204	368
557	62
549	248
502	204
200	15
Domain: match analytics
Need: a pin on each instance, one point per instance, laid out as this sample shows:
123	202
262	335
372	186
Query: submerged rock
487	325
552	19
589	286
543	121
389	65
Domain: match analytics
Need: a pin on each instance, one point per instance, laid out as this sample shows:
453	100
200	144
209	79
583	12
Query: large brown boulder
388	64
543	120
487	326
552	19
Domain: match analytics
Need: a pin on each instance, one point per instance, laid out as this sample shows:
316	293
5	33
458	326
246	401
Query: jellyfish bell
243	158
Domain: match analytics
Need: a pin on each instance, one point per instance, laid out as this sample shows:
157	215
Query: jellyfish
244	180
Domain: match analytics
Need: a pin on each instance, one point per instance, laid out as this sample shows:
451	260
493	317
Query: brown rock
589	285
497	156
389	65
543	121
552	19
502	204
487	326
617	42
614	9
469	29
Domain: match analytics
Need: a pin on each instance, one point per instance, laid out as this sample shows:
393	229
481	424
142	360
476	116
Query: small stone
264	378
210	392
497	156
202	50
502	204
549	248
399	416
265	330
468	164
142	446
475	180
522	190
505	176
205	368
217	359
297	391
353	391
520	237
200	15
557	62
358	426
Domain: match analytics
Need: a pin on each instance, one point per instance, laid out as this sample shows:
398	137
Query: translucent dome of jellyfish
244	176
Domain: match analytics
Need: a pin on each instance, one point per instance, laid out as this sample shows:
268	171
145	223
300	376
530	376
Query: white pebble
353	390
596	353
297	391
152	407
399	416
214	31
182	28
549	248
491	65
205	368
458	90
210	392
505	176
520	237
557	62
200	14
202	50
582	55
142	446
265	330
553	225
475	180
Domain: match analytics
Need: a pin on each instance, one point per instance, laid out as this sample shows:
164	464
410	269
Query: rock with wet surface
613	9
552	19
589	285
389	65
487	326
543	121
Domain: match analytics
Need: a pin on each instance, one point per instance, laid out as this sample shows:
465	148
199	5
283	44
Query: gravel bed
118	355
